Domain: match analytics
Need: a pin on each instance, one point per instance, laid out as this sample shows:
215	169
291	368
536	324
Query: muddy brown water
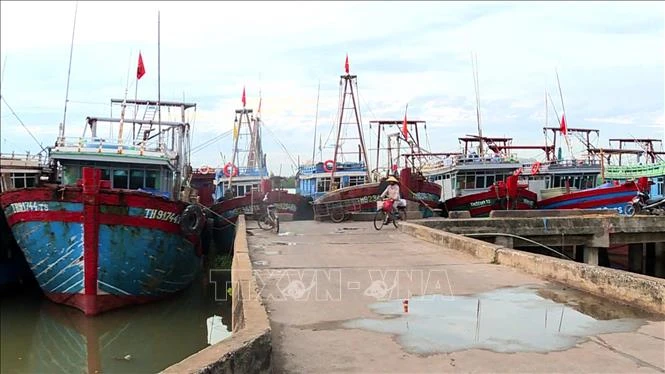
38	336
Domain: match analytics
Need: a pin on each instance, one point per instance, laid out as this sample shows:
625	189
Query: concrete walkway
315	277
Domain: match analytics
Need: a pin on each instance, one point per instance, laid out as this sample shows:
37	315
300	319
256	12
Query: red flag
244	101
346	64
140	70
405	131
564	129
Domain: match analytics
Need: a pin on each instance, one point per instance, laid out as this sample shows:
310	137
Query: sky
608	56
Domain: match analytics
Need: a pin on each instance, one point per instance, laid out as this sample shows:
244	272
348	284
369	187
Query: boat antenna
474	65
159	98
61	134
546	119
316	120
4	65
563	114
124	106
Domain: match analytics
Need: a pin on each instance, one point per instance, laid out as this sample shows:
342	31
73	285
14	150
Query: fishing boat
606	196
582	184
118	228
248	188
647	162
17	171
202	181
342	185
480	182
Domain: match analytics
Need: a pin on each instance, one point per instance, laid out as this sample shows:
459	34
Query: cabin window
120	178
136	179
470	181
587	181
354	181
151	178
23	180
557	182
323	185
106	174
480	181
489	181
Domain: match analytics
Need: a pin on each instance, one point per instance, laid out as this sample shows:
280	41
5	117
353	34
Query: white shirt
392	192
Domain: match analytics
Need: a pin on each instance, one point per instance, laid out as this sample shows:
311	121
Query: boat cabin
20	171
315	180
244	180
147	161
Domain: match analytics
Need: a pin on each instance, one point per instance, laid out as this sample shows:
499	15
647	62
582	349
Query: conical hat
392	179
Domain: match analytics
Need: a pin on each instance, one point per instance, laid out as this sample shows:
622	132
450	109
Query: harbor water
39	336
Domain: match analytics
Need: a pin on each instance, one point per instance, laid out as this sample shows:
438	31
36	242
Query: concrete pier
591	255
582	235
314	277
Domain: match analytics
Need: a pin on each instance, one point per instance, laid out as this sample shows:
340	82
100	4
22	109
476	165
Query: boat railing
576	164
453	161
25	157
341	167
635	171
104	146
242	171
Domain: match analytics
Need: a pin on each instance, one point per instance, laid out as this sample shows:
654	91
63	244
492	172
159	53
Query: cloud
609	57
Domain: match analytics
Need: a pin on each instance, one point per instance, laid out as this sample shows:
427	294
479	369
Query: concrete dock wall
249	349
645	292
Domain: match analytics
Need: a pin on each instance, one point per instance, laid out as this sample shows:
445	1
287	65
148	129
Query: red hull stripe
48	216
124	198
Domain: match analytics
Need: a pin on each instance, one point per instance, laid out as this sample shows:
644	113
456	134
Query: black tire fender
192	220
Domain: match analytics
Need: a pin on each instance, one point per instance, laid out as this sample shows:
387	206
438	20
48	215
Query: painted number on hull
476	204
162	215
30	206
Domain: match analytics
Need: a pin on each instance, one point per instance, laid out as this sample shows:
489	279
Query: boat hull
102	249
226	212
362	198
604	197
482	203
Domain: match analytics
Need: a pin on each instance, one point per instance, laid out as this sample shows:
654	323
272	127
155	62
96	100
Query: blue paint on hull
54	251
144	262
627	195
134	261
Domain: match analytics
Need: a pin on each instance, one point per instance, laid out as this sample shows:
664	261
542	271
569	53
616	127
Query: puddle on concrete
284	234
260	263
507	320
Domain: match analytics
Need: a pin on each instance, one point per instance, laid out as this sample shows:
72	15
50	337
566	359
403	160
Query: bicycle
269	219
386	214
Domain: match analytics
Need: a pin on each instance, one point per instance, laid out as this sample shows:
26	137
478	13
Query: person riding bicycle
392	191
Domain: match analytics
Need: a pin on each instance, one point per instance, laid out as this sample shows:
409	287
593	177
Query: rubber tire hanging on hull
337	215
192	220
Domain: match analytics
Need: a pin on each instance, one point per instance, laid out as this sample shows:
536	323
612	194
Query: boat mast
61	134
159	98
316	119
348	80
474	65
563	116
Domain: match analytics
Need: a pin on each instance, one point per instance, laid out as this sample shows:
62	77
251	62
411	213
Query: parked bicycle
269	219
387	213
